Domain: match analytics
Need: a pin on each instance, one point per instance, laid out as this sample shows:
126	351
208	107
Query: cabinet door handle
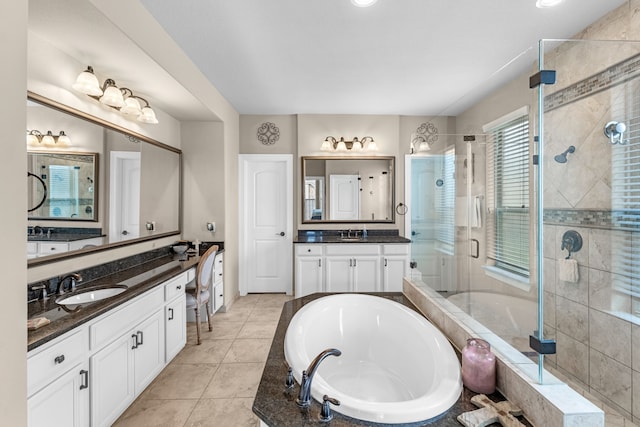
135	341
354	262
350	262
385	262
59	359
85	379
141	335
179	287
320	262
171	314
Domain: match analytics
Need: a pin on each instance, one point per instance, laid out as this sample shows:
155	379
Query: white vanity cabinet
217	294
395	265
38	248
309	268
175	315
58	379
90	375
350	267
122	369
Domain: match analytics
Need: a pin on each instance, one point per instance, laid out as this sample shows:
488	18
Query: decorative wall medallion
268	133
428	131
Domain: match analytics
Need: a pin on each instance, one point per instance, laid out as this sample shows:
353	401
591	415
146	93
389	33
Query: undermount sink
90	295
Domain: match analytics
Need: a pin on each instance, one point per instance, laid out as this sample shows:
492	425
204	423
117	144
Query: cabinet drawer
175	286
112	325
353	249
61	355
308	249
52	248
402	249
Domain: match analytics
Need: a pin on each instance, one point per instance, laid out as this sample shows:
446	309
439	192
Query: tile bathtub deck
214	383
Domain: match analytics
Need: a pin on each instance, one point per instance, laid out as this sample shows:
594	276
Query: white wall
13	316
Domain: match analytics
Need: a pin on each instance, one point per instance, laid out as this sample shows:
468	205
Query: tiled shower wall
597	333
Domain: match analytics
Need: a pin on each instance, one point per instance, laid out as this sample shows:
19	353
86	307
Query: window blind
508	195
445	201
625	201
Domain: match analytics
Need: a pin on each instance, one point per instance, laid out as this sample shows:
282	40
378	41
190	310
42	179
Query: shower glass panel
591	292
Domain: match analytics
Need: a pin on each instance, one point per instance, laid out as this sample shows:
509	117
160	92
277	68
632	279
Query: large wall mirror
348	189
100	187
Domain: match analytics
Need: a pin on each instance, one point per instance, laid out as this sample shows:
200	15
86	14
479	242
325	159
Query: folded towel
35	323
568	270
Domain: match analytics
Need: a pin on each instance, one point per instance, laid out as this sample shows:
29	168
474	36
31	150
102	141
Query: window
508	193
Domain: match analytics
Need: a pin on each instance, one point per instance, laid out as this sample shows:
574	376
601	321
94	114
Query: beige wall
13	316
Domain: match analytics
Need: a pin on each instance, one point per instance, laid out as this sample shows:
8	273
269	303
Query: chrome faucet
73	277
304	397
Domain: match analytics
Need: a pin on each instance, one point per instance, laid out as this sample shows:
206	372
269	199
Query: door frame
244	245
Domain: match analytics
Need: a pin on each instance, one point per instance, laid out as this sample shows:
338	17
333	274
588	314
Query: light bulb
131	107
148	116
112	95
48	139
541	4
63	139
87	83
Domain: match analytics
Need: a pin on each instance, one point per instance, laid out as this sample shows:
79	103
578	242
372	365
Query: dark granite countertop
275	405
63	321
334	236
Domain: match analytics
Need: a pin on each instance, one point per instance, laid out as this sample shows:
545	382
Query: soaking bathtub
395	366
511	318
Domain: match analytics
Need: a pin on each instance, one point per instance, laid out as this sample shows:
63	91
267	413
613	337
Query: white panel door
266	228
345	197
124	196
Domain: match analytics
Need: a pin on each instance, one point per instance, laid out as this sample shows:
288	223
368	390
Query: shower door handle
475	248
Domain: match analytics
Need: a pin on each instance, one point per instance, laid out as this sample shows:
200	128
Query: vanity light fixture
356	145
542	4
121	99
35	138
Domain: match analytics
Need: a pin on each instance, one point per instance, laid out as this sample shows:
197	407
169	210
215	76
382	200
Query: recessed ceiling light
547	3
363	3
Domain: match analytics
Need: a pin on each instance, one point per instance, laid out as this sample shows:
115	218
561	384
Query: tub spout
304	397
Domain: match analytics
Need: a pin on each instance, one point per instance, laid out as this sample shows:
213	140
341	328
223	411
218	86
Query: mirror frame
96	176
392	220
31	96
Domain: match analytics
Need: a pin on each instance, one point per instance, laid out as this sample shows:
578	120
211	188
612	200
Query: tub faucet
74	277
304	397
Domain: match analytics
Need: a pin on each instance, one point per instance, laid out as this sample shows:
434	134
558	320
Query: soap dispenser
364	232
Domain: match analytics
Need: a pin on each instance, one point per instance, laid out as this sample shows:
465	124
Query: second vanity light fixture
356	145
37	138
121	99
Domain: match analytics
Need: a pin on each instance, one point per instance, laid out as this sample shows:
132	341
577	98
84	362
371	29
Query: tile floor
213	384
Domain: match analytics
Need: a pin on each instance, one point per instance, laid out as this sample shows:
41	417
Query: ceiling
398	57
408	57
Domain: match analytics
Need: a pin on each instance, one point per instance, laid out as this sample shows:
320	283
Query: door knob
281	233
125	232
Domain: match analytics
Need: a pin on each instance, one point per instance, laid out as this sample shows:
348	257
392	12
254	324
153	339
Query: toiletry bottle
364	232
478	366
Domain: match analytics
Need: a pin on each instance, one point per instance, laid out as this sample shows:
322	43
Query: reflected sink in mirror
90	295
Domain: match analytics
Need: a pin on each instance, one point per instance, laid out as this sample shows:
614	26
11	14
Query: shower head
562	158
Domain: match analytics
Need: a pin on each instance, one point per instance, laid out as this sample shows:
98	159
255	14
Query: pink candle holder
478	366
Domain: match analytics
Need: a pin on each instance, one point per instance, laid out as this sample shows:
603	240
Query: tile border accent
553	403
616	74
592	218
